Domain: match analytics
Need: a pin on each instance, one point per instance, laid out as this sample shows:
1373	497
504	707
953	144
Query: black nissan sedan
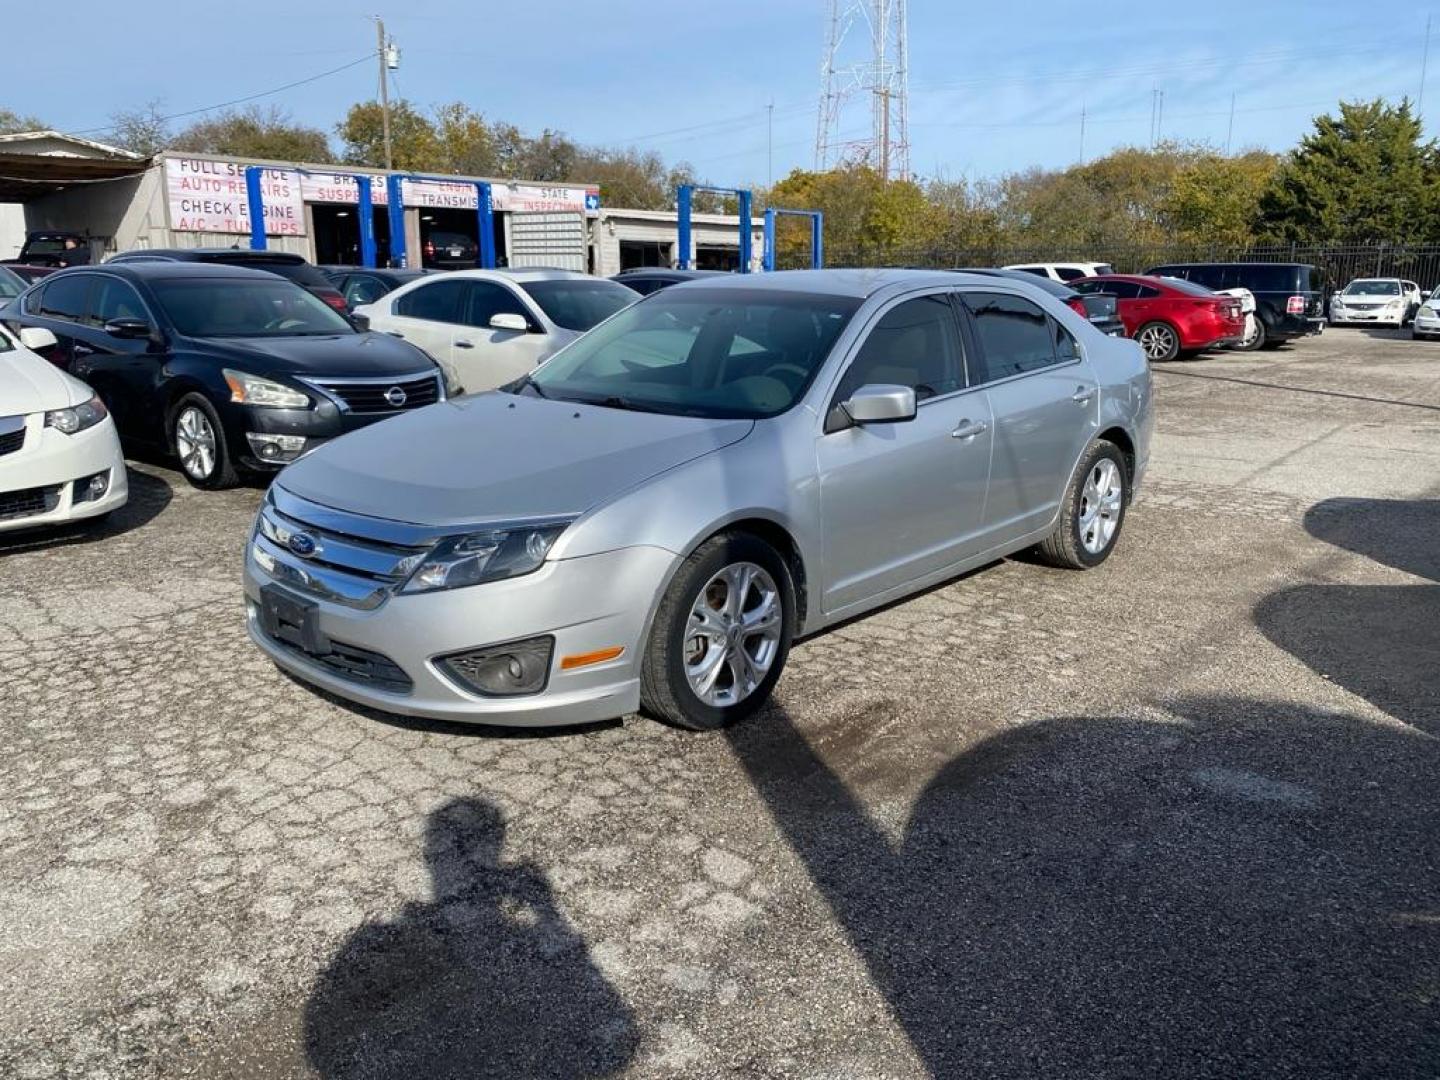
229	369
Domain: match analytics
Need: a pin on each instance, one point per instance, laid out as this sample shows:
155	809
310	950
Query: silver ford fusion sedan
651	517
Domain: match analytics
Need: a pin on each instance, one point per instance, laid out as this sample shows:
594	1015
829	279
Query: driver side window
915	344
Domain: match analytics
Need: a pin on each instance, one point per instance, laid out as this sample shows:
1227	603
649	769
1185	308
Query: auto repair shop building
126	202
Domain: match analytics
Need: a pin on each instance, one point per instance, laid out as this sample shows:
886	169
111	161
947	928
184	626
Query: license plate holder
292	619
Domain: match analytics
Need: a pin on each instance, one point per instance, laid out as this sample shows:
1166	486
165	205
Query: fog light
276	448
517	667
91	488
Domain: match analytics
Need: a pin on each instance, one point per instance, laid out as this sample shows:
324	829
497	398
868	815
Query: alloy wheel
1158	342
1101	501
195	442
732	636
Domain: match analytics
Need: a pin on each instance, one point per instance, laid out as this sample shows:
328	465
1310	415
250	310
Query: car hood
1367	298
30	383
338	354
496	457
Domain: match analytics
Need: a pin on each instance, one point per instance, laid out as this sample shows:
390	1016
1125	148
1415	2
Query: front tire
198	440
721	634
1159	340
1092	512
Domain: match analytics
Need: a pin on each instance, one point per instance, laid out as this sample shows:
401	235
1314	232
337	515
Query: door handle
1082	395
968	429
80	349
395	333
463	344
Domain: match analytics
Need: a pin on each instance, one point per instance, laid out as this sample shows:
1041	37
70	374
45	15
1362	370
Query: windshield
1373	288
46	246
577	304
244	307
11	283
731	353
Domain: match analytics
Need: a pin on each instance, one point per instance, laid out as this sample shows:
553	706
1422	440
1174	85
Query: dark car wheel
721	634
199	442
1093	510
1255	339
1159	340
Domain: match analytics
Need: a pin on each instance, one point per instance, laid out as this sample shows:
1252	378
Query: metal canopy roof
34	163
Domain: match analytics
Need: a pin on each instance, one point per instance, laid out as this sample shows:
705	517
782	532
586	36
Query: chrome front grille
348	558
386	394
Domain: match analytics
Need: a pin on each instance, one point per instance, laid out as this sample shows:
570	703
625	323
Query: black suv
1289	297
287	264
648	279
225	367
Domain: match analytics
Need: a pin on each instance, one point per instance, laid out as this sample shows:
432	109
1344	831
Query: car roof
1050	285
159	270
861	283
208	254
524	273
1191	265
670	272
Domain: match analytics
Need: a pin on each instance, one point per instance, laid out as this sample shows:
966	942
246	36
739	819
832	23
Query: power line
241	100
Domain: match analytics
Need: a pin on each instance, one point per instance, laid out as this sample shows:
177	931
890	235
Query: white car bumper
1427	321
45	481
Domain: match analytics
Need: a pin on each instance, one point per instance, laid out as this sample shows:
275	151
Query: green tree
256	133
1216	199
467	144
413	138
867	218
1361	177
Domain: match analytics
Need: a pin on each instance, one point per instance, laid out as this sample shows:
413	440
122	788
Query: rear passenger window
1066	347
439	302
914	344
1069	273
1015	336
64	298
1145	292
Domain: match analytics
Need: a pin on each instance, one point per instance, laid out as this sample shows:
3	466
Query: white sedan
60	457
1390	301
487	328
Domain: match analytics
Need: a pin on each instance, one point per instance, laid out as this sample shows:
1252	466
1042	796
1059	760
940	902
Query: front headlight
77	417
1395	303
505	552
247	389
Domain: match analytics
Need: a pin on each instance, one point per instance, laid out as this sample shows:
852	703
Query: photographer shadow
488	979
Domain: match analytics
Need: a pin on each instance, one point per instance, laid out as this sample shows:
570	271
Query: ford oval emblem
302	544
395	396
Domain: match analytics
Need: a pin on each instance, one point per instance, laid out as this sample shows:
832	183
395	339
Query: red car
1170	317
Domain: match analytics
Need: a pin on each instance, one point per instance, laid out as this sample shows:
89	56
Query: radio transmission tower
856	69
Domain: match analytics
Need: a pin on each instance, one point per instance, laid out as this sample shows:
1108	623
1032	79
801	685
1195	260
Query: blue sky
994	87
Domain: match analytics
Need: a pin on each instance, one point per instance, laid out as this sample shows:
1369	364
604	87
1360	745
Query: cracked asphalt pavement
1173	817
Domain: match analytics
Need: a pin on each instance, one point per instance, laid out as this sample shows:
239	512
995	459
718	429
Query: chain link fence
1341	262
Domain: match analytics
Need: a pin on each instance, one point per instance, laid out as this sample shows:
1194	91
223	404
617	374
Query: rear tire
198	440
1256	340
734	584
1093	511
1159	340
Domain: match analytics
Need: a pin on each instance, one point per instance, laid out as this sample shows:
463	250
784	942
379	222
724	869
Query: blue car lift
686	197
485	215
817	232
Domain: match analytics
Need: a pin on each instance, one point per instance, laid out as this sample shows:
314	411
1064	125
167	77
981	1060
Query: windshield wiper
625	403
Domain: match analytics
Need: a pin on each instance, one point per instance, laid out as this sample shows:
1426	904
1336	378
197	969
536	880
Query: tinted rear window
577	304
302	273
1190	288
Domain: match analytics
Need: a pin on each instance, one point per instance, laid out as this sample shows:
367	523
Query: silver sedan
653	516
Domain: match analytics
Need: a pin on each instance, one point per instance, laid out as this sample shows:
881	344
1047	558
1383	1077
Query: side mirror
36	338
130	329
881	403
507	320
362	322
1425	294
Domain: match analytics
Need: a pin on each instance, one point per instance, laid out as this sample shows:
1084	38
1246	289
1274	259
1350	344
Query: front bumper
1388	318
49	462
1423	325
586	604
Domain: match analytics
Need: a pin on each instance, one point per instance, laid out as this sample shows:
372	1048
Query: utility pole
1160	118
884	94
1230	127
1082	133
382	51
1424	63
